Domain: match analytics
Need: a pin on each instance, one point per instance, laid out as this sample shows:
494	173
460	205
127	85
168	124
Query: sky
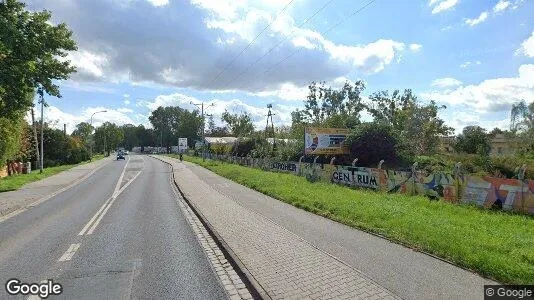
476	57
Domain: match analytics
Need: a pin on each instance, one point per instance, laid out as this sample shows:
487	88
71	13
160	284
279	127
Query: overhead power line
268	70
250	43
280	42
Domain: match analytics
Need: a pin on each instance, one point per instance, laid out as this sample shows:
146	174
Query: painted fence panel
488	192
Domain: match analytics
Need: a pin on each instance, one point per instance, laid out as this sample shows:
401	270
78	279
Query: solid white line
118	185
70	252
110	204
107	201
94	217
22	209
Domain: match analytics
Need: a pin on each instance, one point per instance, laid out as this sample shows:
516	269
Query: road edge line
256	289
53	194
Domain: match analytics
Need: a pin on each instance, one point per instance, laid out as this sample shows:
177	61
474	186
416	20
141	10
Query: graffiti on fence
488	192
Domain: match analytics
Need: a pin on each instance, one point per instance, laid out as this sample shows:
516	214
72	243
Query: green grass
494	244
11	183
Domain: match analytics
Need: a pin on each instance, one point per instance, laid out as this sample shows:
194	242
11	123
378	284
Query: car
120	156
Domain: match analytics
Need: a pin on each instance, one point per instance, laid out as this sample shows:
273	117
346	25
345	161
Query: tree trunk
34	127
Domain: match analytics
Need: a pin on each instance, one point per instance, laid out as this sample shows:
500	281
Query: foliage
292	150
240	125
220	149
465	235
417	125
328	107
372	142
131	136
107	137
31	52
173	122
473	140
10	133
522	116
84	131
15	182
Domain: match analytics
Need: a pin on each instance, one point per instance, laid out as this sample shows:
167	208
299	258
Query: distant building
225	140
500	145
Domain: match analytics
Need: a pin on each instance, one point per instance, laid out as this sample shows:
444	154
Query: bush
372	142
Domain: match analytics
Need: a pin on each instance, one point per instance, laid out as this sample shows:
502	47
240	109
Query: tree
240	125
173	122
83	131
473	140
328	107
10	133
372	142
522	116
131	137
107	137
31	52
415	124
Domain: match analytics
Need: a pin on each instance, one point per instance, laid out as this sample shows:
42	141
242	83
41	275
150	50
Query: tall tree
83	130
522	116
325	106
131	138
107	137
415	124
240	125
473	140
31	56
173	122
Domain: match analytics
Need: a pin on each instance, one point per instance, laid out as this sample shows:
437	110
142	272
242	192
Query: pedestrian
181	156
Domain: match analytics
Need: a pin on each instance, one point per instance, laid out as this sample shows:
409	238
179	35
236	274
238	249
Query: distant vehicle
120	155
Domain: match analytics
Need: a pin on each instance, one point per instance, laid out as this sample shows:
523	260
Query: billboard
182	144
325	140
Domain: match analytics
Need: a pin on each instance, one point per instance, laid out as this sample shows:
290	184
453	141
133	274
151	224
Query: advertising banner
325	141
182	144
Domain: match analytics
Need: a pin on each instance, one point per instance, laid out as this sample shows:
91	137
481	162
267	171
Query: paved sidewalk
37	191
291	252
285	265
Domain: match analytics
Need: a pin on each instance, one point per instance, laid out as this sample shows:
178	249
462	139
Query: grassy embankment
495	244
11	183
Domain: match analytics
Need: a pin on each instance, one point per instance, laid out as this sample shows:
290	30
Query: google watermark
43	290
508	292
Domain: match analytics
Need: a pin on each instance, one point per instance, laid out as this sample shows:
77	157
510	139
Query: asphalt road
117	235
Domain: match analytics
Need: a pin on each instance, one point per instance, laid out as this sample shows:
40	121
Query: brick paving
285	265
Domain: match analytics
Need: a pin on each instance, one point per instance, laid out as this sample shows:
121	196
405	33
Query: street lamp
201	106
91	123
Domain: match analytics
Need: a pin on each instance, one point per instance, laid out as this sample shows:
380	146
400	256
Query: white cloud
481	18
442	5
158	3
88	63
446	28
416	47
56	117
501	5
446	82
490	95
286	91
465	64
127	102
527	47
217	107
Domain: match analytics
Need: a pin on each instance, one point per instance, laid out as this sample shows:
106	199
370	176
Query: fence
488	192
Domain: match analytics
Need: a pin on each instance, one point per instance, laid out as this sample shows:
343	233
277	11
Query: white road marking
22	209
114	195
110	204
70	252
118	185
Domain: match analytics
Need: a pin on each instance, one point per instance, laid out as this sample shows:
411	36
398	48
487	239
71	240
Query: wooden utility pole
35	139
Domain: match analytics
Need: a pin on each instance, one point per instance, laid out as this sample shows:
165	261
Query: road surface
119	234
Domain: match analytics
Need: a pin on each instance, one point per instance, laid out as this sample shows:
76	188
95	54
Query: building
499	143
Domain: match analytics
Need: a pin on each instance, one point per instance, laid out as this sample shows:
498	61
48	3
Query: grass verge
11	183
494	244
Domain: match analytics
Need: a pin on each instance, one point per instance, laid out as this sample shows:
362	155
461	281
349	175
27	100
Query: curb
255	288
6	216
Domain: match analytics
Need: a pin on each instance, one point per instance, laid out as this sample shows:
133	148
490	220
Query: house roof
220	140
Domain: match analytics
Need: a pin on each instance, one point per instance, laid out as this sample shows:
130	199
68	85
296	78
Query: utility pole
41	101
201	106
270	115
91	142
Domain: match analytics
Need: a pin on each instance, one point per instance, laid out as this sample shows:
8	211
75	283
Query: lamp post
201	106
42	102
91	123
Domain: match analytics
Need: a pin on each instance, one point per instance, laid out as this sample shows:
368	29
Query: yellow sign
325	141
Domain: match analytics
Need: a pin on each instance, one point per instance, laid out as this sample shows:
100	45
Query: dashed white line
70	252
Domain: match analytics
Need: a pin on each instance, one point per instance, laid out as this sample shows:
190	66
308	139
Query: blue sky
475	57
